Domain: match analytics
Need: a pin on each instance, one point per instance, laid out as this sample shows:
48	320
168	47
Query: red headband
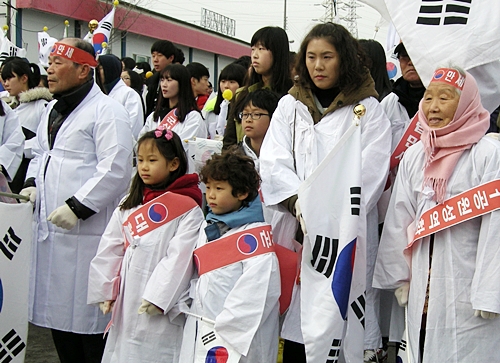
449	76
73	54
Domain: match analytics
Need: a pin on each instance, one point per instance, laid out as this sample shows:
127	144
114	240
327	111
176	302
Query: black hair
237	169
179	56
186	102
135	80
146	67
274	39
232	72
21	68
197	70
44	81
164	47
377	64
170	149
128	62
263	98
9	59
352	60
245	61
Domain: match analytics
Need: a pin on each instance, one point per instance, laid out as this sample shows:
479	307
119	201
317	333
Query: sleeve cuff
289	203
30	182
81	211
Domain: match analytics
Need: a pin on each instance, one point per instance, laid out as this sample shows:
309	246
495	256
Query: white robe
11	142
242	298
156	267
398	116
281	180
30	114
91	160
131	100
465	261
192	126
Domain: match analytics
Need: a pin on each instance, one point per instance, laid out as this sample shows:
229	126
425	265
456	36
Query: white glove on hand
63	217
298	215
106	306
485	314
29	192
402	294
147	307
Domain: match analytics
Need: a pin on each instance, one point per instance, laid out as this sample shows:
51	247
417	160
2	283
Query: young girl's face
169	87
262	60
15	85
231	84
323	63
152	166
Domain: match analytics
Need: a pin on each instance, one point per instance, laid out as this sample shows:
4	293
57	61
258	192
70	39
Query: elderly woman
449	279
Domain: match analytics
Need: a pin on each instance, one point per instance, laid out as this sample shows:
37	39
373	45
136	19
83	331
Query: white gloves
147	307
402	294
485	314
63	217
29	192
106	306
298	215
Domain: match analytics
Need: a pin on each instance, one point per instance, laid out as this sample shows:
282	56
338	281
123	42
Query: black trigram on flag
324	255
10	243
333	355
355	200
402	345
358	306
10	346
107	26
207	338
432	12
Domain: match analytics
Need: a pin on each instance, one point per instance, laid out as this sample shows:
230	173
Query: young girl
270	69
230	78
176	108
21	80
307	124
144	261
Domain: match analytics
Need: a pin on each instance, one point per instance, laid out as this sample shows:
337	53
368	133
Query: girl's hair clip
163	131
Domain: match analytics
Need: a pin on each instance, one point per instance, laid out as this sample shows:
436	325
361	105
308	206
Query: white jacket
157	267
91	160
131	100
11	142
464	272
242	298
398	116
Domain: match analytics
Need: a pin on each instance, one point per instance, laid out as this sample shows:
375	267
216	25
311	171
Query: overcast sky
252	15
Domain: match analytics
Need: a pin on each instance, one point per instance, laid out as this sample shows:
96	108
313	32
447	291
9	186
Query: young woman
230	78
176	108
270	69
305	127
144	261
21	79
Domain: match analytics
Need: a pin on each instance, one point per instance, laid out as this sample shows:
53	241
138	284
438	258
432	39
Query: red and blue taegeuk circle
157	212
217	355
439	74
247	244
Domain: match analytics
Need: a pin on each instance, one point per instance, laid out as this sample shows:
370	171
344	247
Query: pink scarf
443	147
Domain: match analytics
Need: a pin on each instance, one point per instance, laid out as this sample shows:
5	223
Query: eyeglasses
254	116
125	78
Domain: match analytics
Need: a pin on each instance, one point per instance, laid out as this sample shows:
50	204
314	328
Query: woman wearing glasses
307	124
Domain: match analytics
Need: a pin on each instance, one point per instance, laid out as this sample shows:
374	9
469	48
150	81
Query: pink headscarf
443	147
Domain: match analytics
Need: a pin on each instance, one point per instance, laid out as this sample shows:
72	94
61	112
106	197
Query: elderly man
82	166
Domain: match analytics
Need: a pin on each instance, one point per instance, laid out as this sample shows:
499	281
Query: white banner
333	269
103	31
211	348
8	49
15	247
200	150
45	43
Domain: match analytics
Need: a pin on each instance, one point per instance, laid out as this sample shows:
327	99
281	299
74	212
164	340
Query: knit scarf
443	147
185	185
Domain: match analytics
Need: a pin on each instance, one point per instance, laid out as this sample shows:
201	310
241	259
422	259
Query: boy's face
200	87
254	127
220	198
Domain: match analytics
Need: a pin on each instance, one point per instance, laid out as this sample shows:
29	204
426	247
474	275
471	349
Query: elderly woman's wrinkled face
439	104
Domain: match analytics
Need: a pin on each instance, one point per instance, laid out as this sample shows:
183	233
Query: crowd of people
125	243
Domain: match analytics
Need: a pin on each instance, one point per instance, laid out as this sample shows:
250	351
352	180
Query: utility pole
8	17
284	18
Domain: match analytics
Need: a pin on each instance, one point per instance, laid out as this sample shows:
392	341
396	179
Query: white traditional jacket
131	100
11	142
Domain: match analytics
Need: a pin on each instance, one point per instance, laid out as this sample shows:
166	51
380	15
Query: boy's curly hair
237	169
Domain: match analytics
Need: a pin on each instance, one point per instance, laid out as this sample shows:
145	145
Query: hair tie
162	130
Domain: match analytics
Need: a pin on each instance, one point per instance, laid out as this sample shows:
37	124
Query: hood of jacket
35	94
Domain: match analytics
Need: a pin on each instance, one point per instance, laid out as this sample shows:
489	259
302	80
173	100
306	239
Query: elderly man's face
63	75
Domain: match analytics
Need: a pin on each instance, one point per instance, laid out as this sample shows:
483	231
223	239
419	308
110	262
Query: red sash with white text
170	120
411	136
157	212
472	203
